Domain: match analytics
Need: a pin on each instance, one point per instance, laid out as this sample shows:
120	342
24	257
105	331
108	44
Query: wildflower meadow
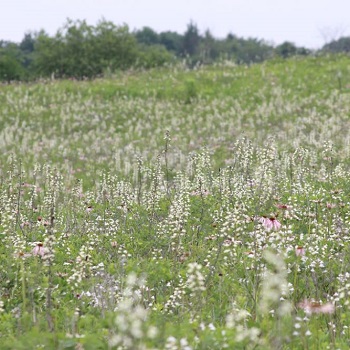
178	209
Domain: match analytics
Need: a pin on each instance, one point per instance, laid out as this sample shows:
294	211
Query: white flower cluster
174	344
195	279
82	267
175	300
275	286
131	330
237	319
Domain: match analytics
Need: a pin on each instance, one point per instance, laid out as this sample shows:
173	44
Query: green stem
295	281
24	299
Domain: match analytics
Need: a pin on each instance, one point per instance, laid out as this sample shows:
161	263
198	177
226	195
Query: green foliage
286	49
246	51
10	68
153	56
147	36
209	48
172	41
115	47
11	62
190	91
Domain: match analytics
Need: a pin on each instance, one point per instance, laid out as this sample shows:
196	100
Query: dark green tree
27	43
10	68
80	50
114	46
172	41
150	56
49	55
336	46
191	40
303	51
147	36
286	49
27	46
11	59
246	51
209	48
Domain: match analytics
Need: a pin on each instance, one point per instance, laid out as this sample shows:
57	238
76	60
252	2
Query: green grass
147	192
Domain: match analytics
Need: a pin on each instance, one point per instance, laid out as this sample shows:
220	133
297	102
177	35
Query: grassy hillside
176	209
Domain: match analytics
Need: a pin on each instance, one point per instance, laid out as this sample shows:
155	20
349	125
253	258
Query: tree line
79	50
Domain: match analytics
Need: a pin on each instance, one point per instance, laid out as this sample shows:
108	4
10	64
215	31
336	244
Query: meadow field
178	209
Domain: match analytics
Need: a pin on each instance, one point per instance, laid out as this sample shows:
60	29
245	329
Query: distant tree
246	50
286	49
48	55
172	41
69	53
209	48
77	41
11	67
27	46
230	46
10	47
147	36
340	45
115	47
191	40
153	56
303	51
27	43
80	50
254	50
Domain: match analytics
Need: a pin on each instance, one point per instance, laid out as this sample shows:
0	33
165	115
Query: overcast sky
305	22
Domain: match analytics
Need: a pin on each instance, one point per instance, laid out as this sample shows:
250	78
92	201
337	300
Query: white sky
305	22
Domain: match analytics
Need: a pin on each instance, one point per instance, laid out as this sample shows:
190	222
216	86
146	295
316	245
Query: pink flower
299	251
316	307
270	223
39	250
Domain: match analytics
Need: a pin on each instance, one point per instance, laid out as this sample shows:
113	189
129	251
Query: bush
10	68
153	56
